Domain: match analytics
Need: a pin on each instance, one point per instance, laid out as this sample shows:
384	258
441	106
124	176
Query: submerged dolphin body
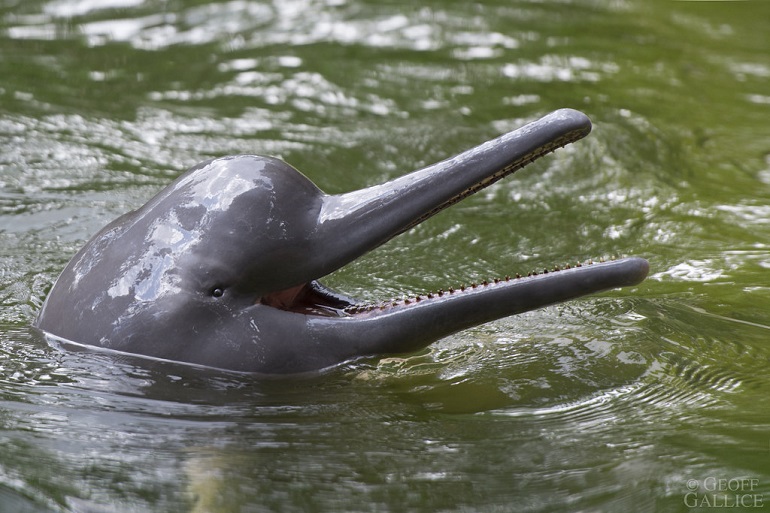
220	268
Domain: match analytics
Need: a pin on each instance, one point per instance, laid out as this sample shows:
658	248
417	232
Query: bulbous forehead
241	196
217	183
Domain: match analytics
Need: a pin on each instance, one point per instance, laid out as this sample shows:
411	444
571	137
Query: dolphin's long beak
411	324
352	224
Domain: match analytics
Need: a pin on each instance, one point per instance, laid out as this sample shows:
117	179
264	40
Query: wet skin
221	267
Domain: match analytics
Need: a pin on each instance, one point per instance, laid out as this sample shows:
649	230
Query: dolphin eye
217	292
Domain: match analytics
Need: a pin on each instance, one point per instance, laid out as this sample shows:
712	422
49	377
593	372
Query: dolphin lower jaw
463	306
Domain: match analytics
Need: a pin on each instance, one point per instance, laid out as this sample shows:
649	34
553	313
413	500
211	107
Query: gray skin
219	269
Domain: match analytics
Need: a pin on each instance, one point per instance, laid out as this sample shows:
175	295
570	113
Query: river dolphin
220	268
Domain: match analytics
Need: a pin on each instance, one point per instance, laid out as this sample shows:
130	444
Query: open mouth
373	216
310	298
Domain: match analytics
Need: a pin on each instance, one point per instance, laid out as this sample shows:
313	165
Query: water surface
653	398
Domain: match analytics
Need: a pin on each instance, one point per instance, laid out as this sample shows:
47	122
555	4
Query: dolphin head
221	268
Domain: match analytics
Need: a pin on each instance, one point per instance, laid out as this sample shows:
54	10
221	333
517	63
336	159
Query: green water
654	398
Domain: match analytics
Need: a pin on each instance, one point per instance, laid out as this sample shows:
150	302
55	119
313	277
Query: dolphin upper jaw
351	224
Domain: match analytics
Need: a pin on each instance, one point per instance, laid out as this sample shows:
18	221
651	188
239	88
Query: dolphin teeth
407	301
